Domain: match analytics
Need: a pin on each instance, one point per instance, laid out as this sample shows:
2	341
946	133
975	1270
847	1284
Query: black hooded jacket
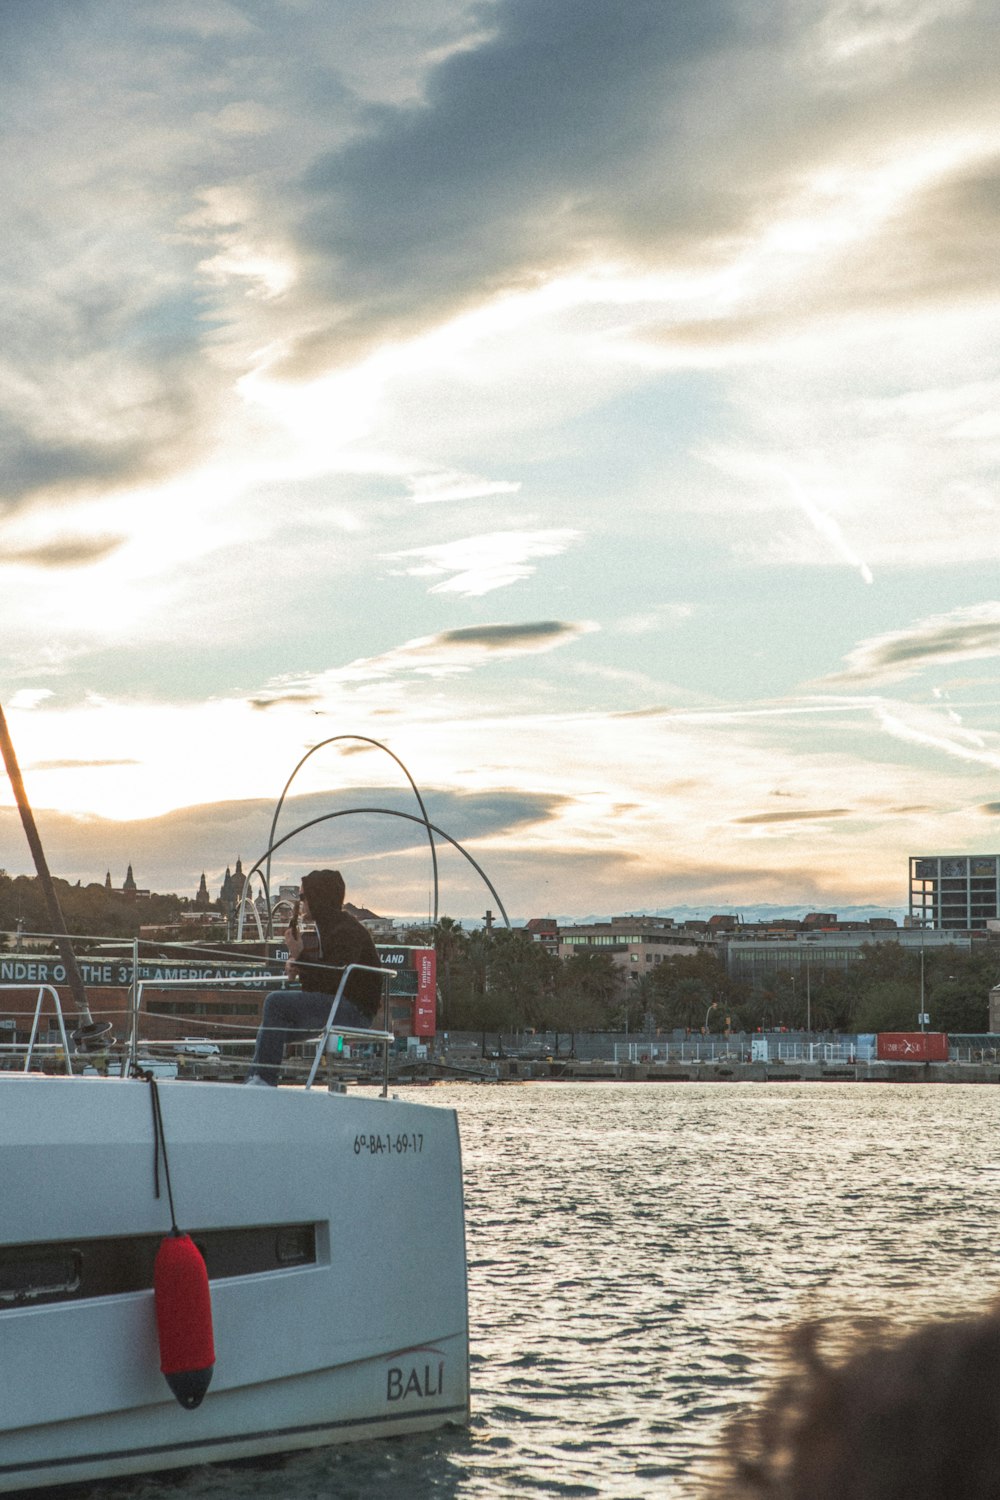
341	940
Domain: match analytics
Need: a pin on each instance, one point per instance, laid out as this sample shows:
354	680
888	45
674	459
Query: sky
593	403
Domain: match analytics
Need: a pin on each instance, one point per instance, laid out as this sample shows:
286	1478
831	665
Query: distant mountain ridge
753	912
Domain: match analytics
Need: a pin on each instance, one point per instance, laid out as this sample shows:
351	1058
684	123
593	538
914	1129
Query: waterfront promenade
773	1057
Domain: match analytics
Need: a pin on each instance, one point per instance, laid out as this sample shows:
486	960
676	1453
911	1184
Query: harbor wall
759	1058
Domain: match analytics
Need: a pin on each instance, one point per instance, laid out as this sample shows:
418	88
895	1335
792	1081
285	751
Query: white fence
732	1051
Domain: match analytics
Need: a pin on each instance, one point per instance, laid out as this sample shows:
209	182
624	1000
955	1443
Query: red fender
184	1319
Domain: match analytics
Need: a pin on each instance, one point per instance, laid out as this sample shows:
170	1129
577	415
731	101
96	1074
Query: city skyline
593	404
679	913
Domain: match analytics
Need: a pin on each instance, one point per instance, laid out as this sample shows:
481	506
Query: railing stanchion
135	998
386	1026
43	990
365	1034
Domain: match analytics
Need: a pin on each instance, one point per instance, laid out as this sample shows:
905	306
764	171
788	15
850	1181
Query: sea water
634	1251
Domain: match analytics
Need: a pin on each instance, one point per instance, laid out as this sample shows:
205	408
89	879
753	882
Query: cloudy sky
594	402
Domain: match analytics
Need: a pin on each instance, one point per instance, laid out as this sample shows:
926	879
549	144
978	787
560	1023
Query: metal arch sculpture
271	845
388	812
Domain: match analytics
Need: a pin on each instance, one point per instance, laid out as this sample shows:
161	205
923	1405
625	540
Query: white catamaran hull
332	1228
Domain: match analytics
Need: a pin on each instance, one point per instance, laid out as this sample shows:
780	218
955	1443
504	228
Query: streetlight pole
808	996
923	1018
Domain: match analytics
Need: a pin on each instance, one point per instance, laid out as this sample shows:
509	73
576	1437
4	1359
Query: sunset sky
596	402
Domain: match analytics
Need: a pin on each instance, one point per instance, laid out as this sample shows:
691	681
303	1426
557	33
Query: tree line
505	981
88	910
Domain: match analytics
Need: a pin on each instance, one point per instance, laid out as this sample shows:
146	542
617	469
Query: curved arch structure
271	845
390	813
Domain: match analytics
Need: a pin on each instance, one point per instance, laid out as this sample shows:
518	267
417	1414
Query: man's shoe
256	1078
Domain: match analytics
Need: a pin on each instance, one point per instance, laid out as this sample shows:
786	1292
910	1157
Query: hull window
30	1275
73	1270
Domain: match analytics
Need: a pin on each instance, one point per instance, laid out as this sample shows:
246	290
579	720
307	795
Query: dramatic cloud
29	698
539	150
967	634
796	817
449	653
566	139
540	636
76	765
286	699
182	843
937	732
63	552
907	234
464	649
480	564
432	489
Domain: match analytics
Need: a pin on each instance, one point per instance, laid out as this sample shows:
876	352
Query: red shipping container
912	1046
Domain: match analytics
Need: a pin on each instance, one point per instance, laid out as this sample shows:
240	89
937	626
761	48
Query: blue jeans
290	1015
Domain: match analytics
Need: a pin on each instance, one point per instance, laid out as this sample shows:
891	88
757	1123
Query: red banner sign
425	1000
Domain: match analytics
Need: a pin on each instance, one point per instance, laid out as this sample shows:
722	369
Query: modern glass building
954	892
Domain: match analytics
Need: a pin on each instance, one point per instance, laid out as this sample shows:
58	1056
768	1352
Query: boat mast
51	899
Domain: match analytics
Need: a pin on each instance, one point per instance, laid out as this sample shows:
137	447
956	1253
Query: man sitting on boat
317	961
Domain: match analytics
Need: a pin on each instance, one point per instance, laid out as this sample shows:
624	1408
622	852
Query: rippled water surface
633	1248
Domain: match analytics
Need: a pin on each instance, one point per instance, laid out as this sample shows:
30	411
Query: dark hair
324	890
912	1416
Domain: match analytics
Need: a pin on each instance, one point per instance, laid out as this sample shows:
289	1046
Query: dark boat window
27	1275
296	1246
71	1271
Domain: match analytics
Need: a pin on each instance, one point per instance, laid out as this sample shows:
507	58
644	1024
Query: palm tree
449	941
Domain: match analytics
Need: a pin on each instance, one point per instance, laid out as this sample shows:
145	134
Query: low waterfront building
636	944
754	957
544	930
